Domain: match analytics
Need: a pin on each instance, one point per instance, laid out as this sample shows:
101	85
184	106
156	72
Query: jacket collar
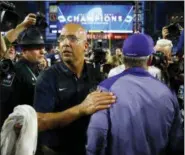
68	72
137	71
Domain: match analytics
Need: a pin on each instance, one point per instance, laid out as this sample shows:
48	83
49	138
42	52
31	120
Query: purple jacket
145	120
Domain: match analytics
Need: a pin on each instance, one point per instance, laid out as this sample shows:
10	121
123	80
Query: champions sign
85	19
97	18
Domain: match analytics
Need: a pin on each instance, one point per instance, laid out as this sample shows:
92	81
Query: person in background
11	52
178	47
17	86
43	65
52	55
11	36
145	119
107	66
119	54
165	46
3	47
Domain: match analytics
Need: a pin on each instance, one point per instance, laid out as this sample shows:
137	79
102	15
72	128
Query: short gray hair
135	61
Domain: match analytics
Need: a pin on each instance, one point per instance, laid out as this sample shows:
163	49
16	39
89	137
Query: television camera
8	17
99	54
6	65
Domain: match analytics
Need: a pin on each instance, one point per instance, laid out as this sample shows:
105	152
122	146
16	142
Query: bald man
64	99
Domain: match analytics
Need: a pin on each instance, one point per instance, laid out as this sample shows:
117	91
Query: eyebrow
67	35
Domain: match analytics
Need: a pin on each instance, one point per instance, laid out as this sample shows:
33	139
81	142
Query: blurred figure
18	56
107	66
3	47
175	33
11	52
18	84
119	54
52	55
12	35
165	46
43	64
145	119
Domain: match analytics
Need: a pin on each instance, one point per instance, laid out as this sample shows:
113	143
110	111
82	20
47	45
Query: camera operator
8	21
13	34
173	68
175	33
18	83
175	65
98	56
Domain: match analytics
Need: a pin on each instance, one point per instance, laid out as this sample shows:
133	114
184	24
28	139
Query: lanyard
33	75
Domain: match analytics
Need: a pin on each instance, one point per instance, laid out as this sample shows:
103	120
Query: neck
29	60
76	67
144	67
25	57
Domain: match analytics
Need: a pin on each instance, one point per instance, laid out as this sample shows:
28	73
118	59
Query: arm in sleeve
97	134
181	42
44	103
179	46
45	94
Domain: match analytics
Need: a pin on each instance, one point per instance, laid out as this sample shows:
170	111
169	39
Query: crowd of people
121	106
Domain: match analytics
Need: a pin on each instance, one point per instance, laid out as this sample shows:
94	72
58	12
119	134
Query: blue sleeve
45	92
181	42
97	134
176	136
178	48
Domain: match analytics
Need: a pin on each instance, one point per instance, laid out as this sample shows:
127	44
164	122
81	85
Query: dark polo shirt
58	89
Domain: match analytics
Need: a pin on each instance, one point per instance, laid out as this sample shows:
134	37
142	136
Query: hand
180	27
17	129
137	32
96	101
29	20
165	32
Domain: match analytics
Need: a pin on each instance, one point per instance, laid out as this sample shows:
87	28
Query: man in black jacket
18	84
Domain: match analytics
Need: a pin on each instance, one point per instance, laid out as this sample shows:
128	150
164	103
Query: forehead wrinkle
74	29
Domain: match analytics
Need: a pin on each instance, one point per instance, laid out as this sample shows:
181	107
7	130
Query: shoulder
110	81
51	74
21	72
19	66
48	74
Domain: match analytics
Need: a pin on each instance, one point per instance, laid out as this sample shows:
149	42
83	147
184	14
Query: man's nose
66	41
42	51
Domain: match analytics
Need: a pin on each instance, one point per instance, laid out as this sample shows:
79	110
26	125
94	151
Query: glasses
71	38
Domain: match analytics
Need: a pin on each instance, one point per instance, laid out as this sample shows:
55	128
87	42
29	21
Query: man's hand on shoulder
96	101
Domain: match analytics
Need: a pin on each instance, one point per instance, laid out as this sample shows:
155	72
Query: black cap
31	37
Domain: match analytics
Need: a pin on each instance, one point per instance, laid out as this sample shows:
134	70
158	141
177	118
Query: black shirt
58	89
17	87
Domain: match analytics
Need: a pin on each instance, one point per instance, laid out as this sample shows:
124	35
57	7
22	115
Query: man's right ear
86	45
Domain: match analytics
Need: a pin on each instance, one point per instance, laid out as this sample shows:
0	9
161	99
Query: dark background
156	14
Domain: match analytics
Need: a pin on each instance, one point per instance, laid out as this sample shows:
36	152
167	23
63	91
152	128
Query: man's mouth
67	52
